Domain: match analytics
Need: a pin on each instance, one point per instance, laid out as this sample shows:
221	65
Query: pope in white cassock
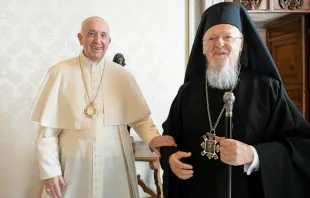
83	109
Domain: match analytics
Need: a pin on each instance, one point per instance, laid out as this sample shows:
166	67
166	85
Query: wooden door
287	42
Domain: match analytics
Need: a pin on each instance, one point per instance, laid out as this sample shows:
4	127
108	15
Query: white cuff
254	166
146	129
47	150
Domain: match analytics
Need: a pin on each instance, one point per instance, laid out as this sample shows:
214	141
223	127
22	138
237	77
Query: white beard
225	78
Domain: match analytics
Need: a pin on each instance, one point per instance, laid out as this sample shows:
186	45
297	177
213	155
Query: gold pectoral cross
90	110
210	146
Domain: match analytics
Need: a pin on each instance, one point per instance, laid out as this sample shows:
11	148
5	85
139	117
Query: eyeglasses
226	39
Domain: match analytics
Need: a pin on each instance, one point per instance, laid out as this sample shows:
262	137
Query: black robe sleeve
285	152
172	127
283	147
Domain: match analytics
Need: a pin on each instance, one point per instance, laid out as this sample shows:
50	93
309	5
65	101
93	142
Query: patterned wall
35	35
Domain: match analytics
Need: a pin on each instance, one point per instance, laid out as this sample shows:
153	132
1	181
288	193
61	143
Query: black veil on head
254	54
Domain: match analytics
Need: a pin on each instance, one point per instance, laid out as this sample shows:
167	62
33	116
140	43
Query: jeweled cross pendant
210	146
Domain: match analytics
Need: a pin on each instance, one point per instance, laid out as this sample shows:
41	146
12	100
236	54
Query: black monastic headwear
254	54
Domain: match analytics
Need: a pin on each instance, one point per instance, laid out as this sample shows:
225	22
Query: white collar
86	61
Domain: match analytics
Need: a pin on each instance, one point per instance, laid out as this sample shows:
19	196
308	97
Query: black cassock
263	117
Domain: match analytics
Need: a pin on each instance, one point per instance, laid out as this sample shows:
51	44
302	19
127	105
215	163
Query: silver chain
212	128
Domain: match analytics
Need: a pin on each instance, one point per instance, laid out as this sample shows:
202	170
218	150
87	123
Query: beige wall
34	35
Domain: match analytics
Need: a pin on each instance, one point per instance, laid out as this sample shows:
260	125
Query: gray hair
92	17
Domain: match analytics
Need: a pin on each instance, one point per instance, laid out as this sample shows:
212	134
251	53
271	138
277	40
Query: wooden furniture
287	42
142	153
291	6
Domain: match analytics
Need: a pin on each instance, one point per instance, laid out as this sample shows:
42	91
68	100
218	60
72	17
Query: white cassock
93	154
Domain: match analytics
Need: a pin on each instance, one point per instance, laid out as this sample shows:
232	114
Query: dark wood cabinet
291	6
287	41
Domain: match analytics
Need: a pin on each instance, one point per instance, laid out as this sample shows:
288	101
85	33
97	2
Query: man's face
95	38
222	45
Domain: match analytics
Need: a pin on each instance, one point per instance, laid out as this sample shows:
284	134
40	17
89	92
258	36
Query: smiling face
222	45
95	38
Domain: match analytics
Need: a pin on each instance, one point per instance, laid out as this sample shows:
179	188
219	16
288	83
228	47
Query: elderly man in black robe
270	146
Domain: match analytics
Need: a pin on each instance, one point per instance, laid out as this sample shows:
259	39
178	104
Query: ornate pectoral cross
90	110
210	146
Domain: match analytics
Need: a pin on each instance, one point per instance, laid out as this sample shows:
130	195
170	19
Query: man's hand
180	169
160	141
52	186
234	152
